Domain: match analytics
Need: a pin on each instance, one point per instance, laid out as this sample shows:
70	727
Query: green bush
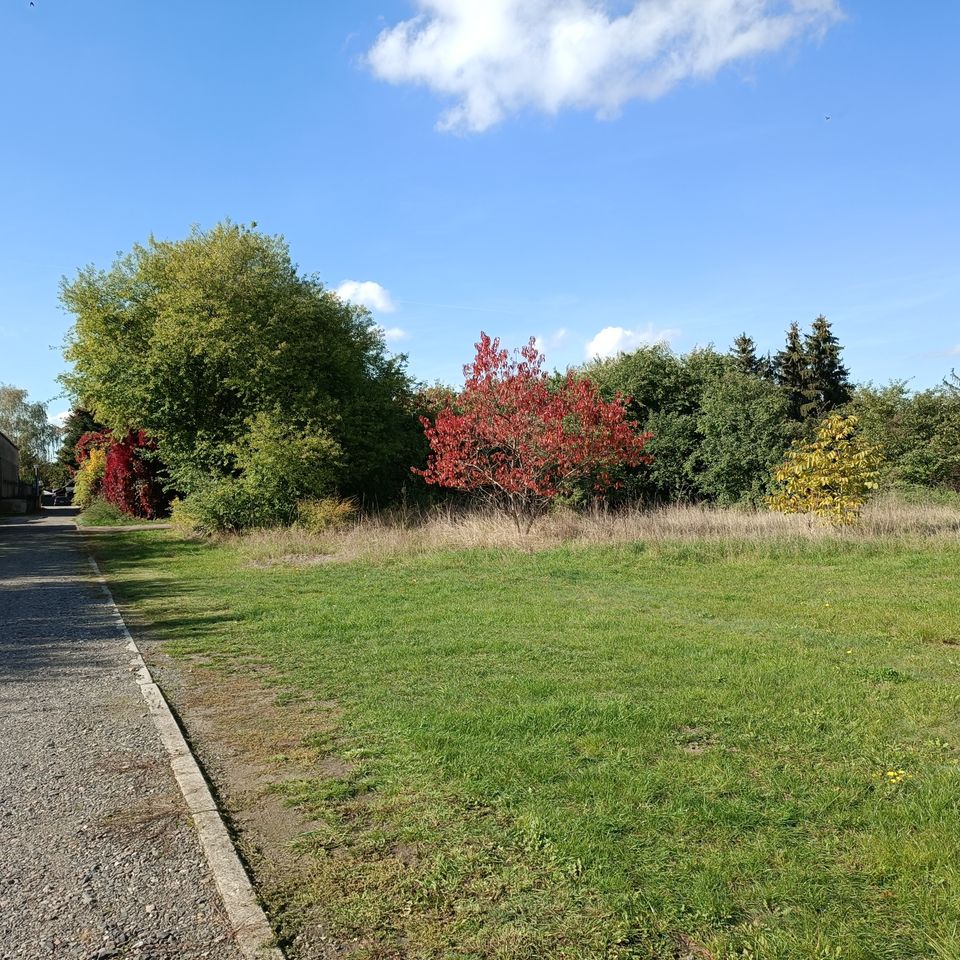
276	466
920	432
103	514
226	505
327	513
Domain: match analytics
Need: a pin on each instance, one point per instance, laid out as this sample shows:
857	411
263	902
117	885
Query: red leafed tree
516	438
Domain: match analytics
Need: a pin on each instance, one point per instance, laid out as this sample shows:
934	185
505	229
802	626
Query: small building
15	496
9	468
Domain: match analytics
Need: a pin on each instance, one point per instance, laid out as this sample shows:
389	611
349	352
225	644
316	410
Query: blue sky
683	184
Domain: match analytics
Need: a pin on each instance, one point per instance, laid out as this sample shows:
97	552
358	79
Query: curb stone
250	926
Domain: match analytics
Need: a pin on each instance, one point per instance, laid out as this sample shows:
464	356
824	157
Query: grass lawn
662	752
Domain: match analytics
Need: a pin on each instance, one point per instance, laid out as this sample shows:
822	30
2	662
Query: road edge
251	928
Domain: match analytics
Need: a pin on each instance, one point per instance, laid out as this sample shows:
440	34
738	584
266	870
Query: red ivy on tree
515	437
130	478
96	439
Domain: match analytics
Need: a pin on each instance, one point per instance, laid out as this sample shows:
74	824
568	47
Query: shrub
327	513
830	476
276	467
919	432
102	514
89	478
226	505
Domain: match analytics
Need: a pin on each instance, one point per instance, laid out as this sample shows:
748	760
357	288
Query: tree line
222	373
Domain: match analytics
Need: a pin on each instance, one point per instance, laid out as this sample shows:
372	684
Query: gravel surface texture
98	855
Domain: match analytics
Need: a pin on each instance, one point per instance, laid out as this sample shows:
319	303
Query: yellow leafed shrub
327	513
831	476
89	478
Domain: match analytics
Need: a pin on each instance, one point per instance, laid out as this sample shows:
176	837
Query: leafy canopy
192	340
26	424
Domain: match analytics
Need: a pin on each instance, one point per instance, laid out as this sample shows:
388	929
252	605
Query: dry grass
405	532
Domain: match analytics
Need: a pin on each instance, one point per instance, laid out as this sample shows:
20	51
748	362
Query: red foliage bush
514	436
131	479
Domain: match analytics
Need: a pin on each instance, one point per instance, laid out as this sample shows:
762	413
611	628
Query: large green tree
196	340
25	423
745	430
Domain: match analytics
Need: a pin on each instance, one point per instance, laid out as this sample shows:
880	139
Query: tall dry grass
398	532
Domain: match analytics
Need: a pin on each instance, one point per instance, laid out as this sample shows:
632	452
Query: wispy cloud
367	294
394	334
497	57
613	340
552	341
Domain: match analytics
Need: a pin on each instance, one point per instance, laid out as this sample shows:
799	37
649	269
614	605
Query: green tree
667	393
919	432
791	372
26	424
745	431
78	422
193	340
828	380
744	353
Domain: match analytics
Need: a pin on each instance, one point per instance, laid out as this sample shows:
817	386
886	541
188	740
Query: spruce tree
744	352
790	370
828	380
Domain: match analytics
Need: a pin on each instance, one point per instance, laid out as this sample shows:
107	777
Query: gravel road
98	856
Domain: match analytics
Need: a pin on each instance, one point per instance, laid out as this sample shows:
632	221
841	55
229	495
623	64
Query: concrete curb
253	933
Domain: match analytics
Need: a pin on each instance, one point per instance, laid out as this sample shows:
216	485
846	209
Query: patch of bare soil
248	746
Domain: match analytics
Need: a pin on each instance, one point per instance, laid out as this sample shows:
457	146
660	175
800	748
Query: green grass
103	514
609	752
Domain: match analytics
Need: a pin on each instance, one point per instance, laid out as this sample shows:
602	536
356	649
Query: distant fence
9	468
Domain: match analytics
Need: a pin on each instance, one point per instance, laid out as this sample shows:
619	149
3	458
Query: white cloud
58	419
551	342
955	351
394	334
367	294
497	57
613	340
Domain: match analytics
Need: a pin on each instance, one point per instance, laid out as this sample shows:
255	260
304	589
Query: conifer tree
828	380
791	372
744	352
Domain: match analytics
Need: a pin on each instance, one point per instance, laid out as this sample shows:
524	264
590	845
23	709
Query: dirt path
98	856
